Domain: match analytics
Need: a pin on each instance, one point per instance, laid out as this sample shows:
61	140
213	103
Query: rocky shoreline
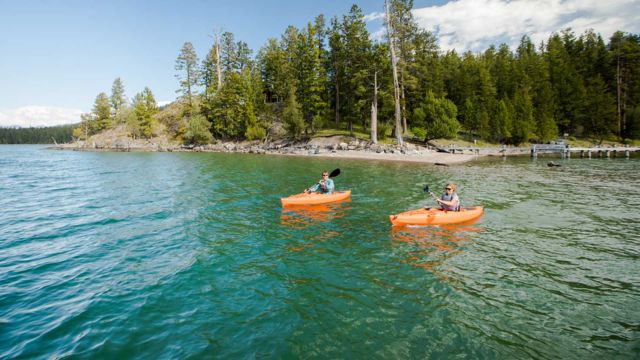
335	146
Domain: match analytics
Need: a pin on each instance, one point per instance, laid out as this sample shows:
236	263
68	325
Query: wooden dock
562	150
567	151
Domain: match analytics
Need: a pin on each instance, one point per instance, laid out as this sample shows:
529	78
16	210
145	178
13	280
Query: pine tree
188	73
600	117
566	83
500	124
437	116
102	113
274	70
292	115
357	49
405	32
310	77
118	99
337	65
141	121
198	131
625	59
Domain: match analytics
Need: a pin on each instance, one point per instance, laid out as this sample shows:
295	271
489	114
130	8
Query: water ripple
190	255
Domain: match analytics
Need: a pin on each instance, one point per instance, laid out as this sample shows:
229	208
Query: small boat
436	216
315	198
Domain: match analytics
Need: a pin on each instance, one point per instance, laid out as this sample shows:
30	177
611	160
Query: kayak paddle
426	189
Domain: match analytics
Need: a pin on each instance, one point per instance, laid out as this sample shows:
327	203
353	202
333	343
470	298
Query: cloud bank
38	116
476	24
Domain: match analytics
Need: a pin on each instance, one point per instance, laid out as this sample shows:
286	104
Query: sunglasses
448	188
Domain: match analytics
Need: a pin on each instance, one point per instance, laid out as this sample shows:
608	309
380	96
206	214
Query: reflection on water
431	246
302	216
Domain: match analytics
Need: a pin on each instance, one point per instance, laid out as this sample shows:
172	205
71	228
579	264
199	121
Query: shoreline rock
335	147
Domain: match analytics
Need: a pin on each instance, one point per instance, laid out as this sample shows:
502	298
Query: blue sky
56	56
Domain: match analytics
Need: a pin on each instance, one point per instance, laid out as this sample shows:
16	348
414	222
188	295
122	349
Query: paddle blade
334	173
426	188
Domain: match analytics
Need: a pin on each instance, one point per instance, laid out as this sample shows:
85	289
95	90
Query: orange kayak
315	198
436	216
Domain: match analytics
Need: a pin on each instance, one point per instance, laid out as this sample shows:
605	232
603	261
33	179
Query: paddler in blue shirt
324	186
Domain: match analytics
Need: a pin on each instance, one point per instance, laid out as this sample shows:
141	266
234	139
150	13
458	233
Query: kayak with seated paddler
436	216
315	198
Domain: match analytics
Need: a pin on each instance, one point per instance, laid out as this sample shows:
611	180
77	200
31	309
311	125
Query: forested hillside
36	135
331	74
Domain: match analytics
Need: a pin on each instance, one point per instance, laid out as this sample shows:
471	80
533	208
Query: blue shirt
327	189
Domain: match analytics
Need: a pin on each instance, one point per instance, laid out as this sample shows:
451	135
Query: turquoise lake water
168	255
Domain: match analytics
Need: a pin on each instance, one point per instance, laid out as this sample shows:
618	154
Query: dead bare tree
394	65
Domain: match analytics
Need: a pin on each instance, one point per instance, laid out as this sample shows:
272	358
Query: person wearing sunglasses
324	186
449	201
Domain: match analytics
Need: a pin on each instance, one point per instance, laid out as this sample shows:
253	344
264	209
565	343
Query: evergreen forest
331	74
36	135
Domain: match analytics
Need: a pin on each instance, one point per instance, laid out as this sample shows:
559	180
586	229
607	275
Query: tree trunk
396	88
374	110
619	88
337	105
218	69
403	103
189	88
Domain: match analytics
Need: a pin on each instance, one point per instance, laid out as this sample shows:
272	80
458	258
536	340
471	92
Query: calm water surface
121	255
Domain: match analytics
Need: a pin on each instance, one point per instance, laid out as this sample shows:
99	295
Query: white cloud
475	24
373	16
164	102
38	116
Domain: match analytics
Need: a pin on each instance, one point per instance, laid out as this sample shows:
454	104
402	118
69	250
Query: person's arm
313	188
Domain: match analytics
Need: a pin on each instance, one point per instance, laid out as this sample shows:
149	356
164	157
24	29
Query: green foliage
198	131
633	124
232	108
173	119
384	130
209	71
37	135
274	69
419	132
84	129
102	114
141	121
624	50
570	84
601	114
117	99
523	124
256	132
292	116
437	116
